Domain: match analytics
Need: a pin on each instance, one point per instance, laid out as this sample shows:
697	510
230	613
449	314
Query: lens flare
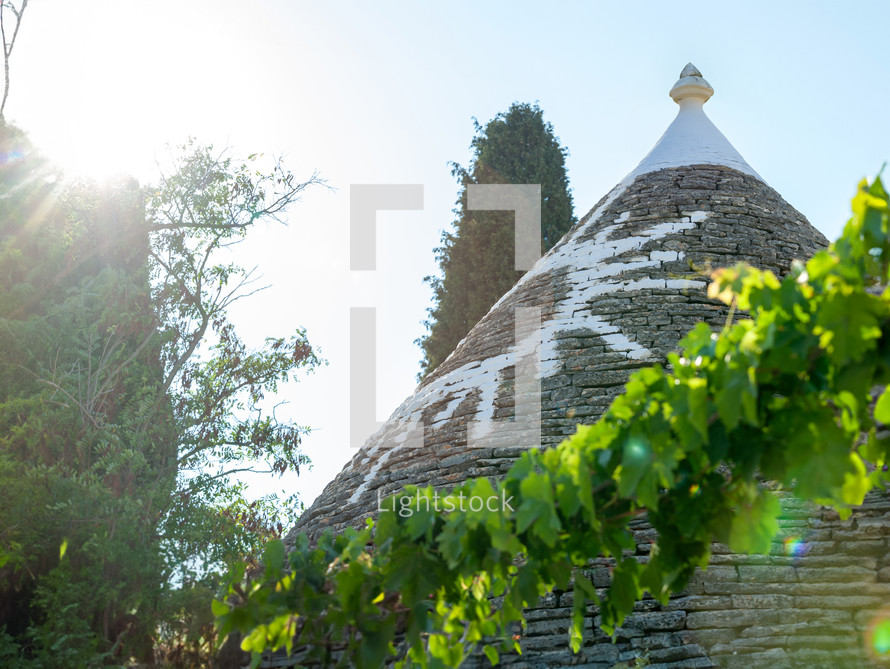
878	636
795	546
10	156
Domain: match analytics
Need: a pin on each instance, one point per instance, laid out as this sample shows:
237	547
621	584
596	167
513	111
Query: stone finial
690	71
691	86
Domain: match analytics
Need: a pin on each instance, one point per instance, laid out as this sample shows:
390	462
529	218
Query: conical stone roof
616	293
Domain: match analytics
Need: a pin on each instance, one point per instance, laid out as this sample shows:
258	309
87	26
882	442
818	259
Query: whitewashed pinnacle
692	139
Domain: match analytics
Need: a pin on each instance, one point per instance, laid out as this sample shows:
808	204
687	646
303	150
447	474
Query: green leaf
699	341
451	540
882	407
273	556
754	521
856	482
820	265
576	631
847	324
375	645
623	593
443	649
528	585
736	394
538	510
819	456
875	450
698	405
635	462
423	512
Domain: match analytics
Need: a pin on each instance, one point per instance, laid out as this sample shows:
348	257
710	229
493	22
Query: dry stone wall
809	604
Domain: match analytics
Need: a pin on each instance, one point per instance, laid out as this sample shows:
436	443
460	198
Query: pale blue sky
385	92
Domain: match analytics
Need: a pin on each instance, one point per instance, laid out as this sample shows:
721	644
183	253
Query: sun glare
108	120
88	150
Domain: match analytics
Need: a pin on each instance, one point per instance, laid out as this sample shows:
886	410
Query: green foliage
785	396
126	402
214	385
477	259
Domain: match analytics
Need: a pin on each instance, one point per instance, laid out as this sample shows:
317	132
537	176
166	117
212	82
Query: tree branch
8	46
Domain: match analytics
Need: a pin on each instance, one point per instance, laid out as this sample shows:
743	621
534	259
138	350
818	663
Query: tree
127	401
67	462
793	396
477	258
215	385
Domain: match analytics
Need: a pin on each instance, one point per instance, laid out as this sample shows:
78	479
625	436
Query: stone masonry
626	283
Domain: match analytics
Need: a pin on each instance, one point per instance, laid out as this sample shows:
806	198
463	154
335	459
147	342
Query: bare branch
9	45
228	472
84	411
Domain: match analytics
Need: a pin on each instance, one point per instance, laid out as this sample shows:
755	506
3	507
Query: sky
385	93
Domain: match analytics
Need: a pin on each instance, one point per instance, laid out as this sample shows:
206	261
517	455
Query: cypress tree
476	258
